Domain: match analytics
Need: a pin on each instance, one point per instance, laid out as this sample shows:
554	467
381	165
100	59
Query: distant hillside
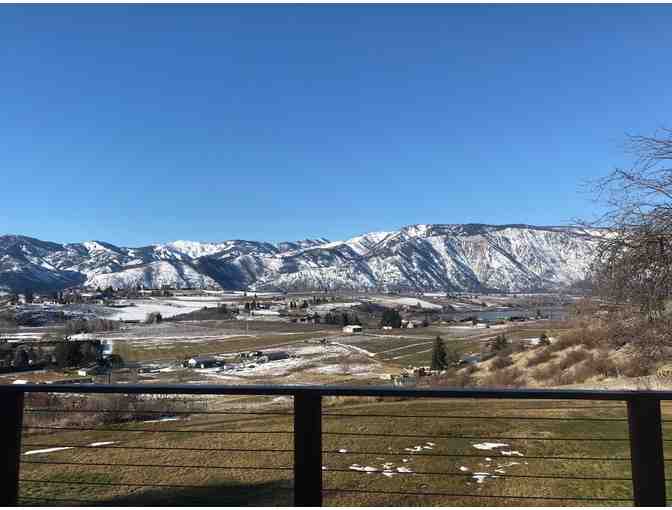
470	257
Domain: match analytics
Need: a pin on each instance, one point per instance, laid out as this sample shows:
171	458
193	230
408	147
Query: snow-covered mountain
427	257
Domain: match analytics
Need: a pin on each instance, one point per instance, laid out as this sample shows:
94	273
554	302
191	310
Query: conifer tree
439	361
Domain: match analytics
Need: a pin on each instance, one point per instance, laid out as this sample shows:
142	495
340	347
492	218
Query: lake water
552	312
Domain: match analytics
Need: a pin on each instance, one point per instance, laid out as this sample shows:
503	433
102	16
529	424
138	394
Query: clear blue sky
142	124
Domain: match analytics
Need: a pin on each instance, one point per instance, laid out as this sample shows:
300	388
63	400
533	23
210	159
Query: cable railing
335	446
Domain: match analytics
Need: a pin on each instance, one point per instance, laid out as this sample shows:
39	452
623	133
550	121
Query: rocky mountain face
470	257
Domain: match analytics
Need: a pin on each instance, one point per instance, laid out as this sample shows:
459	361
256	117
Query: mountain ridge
471	256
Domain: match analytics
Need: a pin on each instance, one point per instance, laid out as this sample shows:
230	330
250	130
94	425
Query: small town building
92	370
273	356
203	362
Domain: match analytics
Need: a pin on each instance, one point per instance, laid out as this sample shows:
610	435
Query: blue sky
142	124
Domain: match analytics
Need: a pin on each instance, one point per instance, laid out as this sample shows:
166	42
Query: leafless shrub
572	358
470	369
546	372
538	358
455	379
93	410
565	342
601	364
72	327
501	362
562	378
634	264
511	377
638	366
583	372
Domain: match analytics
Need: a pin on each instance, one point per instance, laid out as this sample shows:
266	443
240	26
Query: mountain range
442	257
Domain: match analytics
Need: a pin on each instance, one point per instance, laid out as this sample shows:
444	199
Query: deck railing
644	426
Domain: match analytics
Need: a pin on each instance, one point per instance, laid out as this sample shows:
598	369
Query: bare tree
634	260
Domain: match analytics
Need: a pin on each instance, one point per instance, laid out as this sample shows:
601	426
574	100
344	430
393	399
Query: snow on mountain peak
423	256
195	249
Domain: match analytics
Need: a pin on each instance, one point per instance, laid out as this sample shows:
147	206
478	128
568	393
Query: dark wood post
307	449
646	451
11	421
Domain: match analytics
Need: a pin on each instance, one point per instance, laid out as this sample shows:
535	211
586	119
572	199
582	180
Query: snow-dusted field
325	307
406	301
325	359
167	307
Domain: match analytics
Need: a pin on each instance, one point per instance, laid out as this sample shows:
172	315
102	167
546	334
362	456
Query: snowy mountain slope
428	257
154	276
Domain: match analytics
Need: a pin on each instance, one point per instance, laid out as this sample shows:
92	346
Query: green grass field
203	470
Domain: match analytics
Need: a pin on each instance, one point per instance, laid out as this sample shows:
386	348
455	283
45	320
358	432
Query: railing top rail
337	391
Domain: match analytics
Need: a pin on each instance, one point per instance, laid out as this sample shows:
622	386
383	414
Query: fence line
644	434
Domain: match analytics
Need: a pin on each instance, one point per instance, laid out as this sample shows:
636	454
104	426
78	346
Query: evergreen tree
345	321
20	358
391	318
439	361
499	343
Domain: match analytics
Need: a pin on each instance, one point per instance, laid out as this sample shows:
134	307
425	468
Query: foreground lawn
375	452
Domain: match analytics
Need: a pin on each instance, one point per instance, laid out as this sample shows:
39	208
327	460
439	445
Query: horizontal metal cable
191	431
177	448
107	464
494	496
450	474
530	394
475	455
502	404
480	438
59	500
139	411
452	417
120	484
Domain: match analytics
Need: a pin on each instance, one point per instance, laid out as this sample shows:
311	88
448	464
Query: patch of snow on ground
489	446
103	443
512	452
170	418
481	477
339	369
358	349
48	450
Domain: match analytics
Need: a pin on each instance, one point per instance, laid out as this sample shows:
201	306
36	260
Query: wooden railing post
11	421
307	449
646	451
